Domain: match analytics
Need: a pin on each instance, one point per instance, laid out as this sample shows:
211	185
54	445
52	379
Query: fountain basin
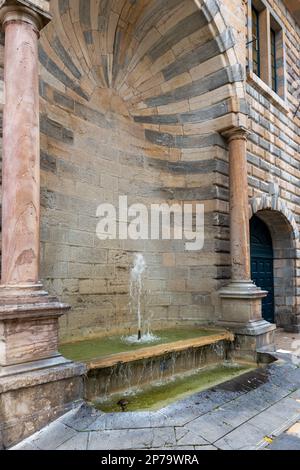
95	348
160	394
182	351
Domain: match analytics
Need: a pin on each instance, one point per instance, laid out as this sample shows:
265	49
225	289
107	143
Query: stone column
241	300
239	212
32	372
21	149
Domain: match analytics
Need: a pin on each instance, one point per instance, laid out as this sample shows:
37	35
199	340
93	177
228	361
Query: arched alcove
134	95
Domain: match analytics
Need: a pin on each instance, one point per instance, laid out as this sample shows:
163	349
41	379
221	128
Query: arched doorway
262	264
284	233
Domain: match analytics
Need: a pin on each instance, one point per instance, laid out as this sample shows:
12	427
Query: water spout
136	288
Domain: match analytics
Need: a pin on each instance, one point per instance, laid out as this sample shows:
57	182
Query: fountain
181	358
136	288
136	292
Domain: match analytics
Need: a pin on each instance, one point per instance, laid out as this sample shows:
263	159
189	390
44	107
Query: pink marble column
241	308
21	150
30	363
239	211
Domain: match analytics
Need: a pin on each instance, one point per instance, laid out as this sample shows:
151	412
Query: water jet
136	290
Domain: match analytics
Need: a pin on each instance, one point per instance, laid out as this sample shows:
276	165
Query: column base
37	384
28	325
241	313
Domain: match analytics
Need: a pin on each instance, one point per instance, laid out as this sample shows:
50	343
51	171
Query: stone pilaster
30	364
241	299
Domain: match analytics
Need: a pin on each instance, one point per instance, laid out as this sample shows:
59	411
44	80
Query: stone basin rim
159	350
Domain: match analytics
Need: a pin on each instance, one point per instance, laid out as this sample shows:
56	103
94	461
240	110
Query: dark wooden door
262	264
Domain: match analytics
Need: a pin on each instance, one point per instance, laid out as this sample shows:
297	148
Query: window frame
268	20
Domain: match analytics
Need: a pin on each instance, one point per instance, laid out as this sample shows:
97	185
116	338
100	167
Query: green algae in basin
159	395
99	347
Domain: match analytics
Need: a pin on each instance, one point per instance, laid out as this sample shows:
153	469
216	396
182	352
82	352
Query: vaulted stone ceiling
173	68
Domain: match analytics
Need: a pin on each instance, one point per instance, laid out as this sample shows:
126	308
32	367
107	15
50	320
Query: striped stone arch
172	63
213	12
274	203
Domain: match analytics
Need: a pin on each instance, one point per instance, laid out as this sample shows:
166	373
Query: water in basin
162	393
99	347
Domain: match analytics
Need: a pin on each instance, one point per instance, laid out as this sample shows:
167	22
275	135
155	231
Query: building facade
162	101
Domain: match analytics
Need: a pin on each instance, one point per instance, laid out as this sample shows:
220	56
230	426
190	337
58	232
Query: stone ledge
34	310
266	91
53	361
40	377
156	351
30	401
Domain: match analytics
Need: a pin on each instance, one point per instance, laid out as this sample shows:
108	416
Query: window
255	42
274	60
266	61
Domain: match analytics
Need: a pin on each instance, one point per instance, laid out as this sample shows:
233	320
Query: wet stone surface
260	410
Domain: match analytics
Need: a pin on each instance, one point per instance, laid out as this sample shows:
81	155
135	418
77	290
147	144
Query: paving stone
27	446
251	402
132	438
243	437
182	448
205	448
82	417
114	421
285	442
276	418
289	406
232	415
177	416
210	427
78	442
270	423
121	440
186	437
267	395
53	436
163	437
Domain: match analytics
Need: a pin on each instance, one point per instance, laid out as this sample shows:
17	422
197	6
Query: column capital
236	133
34	12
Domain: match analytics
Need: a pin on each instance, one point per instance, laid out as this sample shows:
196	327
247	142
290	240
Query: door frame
261	250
